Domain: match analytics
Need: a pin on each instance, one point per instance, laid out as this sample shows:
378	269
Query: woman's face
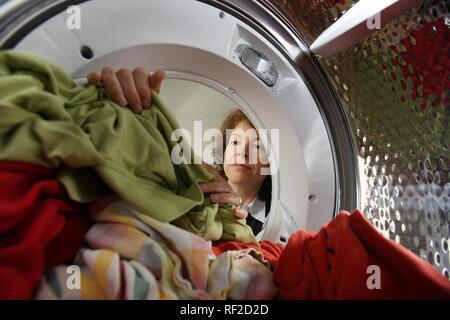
244	156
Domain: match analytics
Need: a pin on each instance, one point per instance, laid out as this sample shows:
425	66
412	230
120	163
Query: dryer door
240	49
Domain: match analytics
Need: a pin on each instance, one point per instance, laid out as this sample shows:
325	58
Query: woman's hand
221	192
129	88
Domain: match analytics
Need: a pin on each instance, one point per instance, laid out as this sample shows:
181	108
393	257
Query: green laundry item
100	147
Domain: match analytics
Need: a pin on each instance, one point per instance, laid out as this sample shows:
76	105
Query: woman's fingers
94	78
226	198
230	198
222	193
130	91
240	213
112	85
215	187
132	88
156	79
141	77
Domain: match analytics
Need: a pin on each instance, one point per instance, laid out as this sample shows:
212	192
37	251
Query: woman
244	186
244	161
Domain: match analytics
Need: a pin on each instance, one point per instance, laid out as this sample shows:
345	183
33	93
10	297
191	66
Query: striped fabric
132	256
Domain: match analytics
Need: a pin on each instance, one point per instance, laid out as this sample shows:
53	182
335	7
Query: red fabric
428	57
271	251
332	264
39	226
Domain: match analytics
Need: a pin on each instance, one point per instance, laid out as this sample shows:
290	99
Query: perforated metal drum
395	90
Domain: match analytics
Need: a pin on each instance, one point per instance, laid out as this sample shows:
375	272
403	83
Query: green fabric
99	147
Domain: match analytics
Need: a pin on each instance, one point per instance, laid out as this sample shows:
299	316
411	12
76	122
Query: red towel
333	264
271	251
39	226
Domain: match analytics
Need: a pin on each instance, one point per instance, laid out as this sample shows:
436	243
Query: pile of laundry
92	207
133	256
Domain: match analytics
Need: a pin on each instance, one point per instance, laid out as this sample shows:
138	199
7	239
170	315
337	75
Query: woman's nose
244	151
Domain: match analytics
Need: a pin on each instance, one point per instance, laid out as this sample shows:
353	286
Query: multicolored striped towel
132	256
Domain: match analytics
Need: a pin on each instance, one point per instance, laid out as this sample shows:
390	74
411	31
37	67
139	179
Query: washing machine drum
364	128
